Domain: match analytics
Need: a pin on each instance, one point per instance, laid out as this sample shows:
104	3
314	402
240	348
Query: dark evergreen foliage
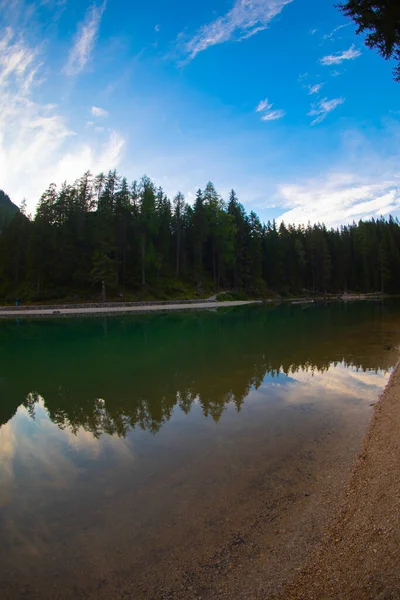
103	238
381	20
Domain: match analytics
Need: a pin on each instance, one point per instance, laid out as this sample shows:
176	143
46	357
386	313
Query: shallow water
134	448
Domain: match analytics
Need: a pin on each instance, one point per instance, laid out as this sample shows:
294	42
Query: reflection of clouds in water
8	444
305	385
84	441
347	382
35	451
39	462
278	379
42	448
60	456
80	439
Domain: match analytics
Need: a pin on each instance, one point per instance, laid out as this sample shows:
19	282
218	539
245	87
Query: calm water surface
133	447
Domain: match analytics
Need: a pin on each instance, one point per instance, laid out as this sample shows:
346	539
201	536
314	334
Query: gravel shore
360	557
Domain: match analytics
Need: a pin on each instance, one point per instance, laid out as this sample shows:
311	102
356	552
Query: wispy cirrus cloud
273	115
85	40
338	58
17	63
315	89
37	144
99	112
323	108
331	35
246	18
265	107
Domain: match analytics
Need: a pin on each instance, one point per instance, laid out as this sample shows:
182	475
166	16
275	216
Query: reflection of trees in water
145	367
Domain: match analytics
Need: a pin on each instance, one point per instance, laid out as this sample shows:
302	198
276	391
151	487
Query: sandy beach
360	555
95	310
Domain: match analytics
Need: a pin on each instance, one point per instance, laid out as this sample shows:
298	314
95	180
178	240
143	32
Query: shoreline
340	541
359	556
63	310
93	308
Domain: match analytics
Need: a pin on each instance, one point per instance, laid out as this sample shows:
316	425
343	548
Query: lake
180	455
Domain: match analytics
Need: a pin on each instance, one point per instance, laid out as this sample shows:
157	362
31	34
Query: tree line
103	235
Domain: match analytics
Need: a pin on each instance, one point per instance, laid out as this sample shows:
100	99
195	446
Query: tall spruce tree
380	20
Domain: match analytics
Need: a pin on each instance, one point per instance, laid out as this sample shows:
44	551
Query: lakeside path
360	557
54	311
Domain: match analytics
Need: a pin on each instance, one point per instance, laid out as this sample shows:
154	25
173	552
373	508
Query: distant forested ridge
102	233
7	210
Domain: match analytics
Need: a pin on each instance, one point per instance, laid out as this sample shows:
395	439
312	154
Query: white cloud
37	144
16	61
314	89
99	112
313	31
323	108
263	105
246	18
85	40
269	115
157	28
330	36
273	115
338	198
338	58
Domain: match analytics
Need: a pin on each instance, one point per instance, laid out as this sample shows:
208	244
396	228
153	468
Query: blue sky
278	99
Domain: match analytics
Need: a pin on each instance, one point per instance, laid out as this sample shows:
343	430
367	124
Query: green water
114	430
113	374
